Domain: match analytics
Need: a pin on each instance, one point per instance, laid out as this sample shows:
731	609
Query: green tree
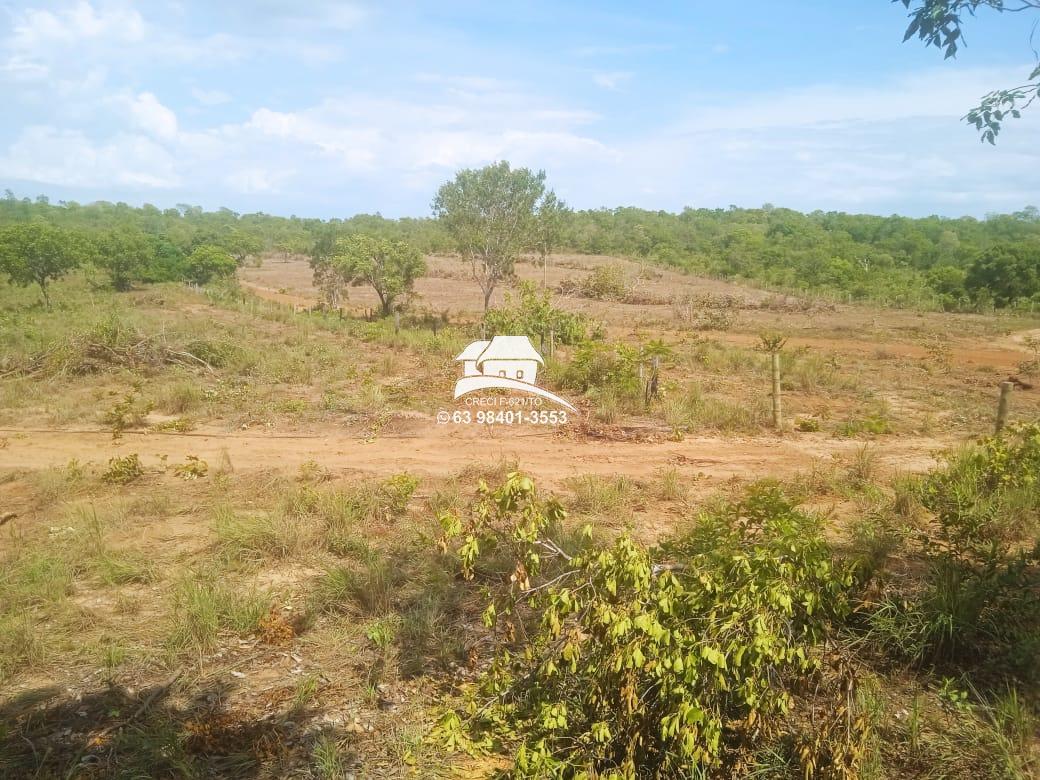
390	267
490	214
948	282
327	279
550	218
124	254
38	253
939	23
1006	273
240	244
208	262
167	263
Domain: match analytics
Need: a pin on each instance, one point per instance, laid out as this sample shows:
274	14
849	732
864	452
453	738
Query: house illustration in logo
506	363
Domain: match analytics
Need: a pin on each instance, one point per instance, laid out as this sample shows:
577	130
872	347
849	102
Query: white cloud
256	180
362	133
354	147
896	146
148	114
39	28
19	68
611	80
45	44
93	90
67	157
944	92
41	38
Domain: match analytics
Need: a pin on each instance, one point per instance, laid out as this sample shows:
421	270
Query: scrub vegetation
235	541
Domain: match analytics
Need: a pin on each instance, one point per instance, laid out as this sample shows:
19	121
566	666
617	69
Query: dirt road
428	449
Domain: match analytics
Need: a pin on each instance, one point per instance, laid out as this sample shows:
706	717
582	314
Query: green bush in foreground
532	314
978	603
622	661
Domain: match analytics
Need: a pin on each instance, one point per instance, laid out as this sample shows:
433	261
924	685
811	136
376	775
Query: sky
327	109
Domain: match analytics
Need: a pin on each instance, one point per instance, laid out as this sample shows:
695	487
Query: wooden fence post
1002	405
777	415
650	391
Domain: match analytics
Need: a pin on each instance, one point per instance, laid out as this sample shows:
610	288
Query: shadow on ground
161	731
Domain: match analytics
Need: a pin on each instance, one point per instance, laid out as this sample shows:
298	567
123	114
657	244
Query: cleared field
227	566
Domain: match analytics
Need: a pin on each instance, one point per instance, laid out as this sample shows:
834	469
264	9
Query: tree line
493	215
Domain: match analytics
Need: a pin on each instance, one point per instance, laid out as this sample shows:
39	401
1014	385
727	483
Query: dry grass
127	583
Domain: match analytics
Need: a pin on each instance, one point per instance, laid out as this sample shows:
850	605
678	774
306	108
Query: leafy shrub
604	283
644	662
176	425
395	493
532	314
978	601
987	498
807	424
596	365
130	412
192	468
122	471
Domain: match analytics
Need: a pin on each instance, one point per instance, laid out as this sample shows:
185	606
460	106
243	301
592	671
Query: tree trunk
487	297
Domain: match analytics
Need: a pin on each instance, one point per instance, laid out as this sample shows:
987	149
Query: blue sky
322	108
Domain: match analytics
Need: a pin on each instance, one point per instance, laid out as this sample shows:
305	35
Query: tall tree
124	254
240	244
550	217
939	23
490	214
1005	273
208	262
390	267
38	253
327	279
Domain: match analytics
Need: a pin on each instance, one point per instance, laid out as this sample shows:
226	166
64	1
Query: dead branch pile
93	352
